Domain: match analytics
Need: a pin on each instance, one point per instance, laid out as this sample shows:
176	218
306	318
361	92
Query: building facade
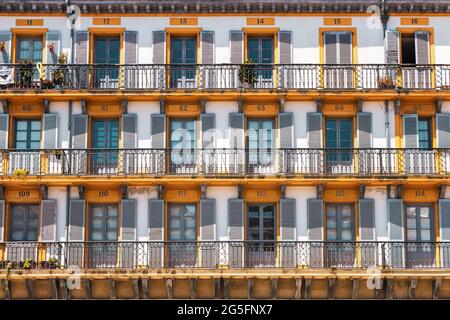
235	149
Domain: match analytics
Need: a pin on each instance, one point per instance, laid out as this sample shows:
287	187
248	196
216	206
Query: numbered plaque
337	21
106	21
261	21
183	21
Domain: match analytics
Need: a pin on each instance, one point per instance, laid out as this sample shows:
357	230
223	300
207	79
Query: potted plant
52	263
27	264
5	264
46	84
386	83
25	73
247	74
20	172
60	72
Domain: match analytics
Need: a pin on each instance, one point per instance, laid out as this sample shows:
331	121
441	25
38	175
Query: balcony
232	254
222	77
220	163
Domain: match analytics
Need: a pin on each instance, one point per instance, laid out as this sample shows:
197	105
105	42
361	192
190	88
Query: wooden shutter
392	47
207	47
158	130
366	210
76	220
286	125
395	219
315	219
444	219
156	219
159	47
5	37
81	47
314	129
54	38
79	131
208	219
2	220
364	125
129	131
236	232
236	47
236	124
48	220
128	220
422	39
285	46
410	130
50	131
288	219
443	130
131	47
331	47
208	124
4	130
345	48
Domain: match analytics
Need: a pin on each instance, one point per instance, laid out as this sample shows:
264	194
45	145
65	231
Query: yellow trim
29	31
22	195
34	32
29	22
261	21
183	21
261	109
26	109
340	195
339	109
331	29
105	195
184	31
262	195
106	21
410	30
416	21
182	195
183	110
104	109
420	195
337	21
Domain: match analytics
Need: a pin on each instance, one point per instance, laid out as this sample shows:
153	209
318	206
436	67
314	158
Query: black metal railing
220	162
222	77
234	254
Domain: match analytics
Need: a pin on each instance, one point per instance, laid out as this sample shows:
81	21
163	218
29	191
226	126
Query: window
338	48
182	222
182	143
408	47
260	51
424	132
105	136
106	53
338	138
260	141
29	49
27	134
24	223
340	222
183	57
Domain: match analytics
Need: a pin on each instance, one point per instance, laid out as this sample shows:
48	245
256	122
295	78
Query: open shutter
207	232
208	124
79	141
4	130
314	129
50	131
236	232
366	211
288	220
443	130
207	47
2	220
410	130
395	232
364	124
422	39
48	220
53	38
392	45
331	47
345	48
76	220
159	47
156	232
128	234
237	142
129	131
5	37
444	230
315	231
158	130
81	47
285	46
131	47
286	125
236	47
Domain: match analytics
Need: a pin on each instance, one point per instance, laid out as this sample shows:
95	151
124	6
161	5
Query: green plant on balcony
386	83
27	264
60	73
46	84
247	74
20	172
52	263
5	264
25	73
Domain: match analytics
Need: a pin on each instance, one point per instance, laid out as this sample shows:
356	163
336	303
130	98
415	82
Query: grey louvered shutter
208	219
236	232
364	125
208	124
48	220
54	38
422	47
443	130
315	209
5	37
392	45
79	128
4	130
129	131
286	125
158	130
207	47
236	47
330	43
50	131
444	220
285	46
410	130
314	129
76	220
395	219
345	48
131	47
81	47
366	210
288	219
156	219
128	220
159	47
237	142
2	220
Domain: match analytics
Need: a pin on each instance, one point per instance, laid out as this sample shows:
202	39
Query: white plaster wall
301	195
221	109
300	109
144	110
378	122
222	195
379	194
142	195
59	194
62	109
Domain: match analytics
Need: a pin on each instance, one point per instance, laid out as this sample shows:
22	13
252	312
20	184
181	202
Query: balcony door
182	235
419	234
105	142
183	59
103	232
340	235
29	49
27	141
339	144
182	145
260	144
107	56
338	69
261	234
260	51
415	57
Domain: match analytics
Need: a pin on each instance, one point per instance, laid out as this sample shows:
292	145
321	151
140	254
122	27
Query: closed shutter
128	216
422	39
207	47
76	220
331	47
131	47
364	124
208	124
236	232
314	129
410	130
315	209
50	131
345	48
4	130
159	47
285	46
443	130
288	220
48	220
129	131
392	45
286	125
5	37
395	233
156	232
158	130
208	232
2	220
236	47
53	38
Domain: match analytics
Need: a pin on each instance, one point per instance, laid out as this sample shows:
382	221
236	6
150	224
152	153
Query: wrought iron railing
220	162
210	77
233	254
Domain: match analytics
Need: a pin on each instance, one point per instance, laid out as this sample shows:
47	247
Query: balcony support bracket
298	288
282	102
81	192
112	289
319	103
274	288
397	105
362	191
202	105
54	288
2	193
355	286
250	285
240	191
438	105
241	105
46	104
6	286
87	283
319	191
436	287
169	288
359	105
160	191
412	288
124	191
5	106
442	190
283	191
203	191
162	106
30	288
83	104
331	285
124	106
193	288
43	190
388	289
400	188
307	287
144	293
226	286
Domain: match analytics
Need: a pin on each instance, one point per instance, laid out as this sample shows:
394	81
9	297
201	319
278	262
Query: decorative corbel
359	105
283	191
400	188
202	105
203	191
5	105
442	190
282	102
124	105
319	191
438	105
46	104
160	191
362	191
240	105
240	191
81	192
84	106
43	191
319	103
124	191
397	105
2	193
162	106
